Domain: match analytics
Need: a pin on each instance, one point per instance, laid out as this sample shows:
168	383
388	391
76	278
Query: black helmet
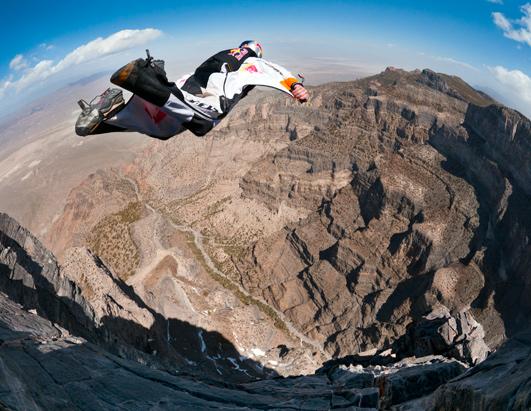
254	46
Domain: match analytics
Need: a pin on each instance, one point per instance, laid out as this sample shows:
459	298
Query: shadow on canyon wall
171	341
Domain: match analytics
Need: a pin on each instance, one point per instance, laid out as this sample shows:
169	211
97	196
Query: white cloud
46	46
18	63
3	85
515	81
456	62
42	70
100	47
501	21
518	30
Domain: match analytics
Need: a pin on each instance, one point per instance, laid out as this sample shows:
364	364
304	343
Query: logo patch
156	115
238	54
250	68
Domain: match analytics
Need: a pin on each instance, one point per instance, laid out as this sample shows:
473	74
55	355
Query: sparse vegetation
111	240
232	248
236	251
172	207
231	286
216	207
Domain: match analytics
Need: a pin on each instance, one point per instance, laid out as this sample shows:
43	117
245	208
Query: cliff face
500	382
418	202
85	298
45	367
491	151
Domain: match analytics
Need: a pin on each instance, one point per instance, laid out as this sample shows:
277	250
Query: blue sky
485	42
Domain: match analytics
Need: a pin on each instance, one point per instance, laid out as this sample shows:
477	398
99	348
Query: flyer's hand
300	93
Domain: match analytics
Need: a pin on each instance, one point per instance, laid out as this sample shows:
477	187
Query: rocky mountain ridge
386	220
437	192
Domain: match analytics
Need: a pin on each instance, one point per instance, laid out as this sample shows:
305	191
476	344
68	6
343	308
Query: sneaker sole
113	110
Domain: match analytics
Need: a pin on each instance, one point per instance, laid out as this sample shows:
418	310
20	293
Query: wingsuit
196	102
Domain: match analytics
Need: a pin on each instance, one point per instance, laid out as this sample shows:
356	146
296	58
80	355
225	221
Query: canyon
369	249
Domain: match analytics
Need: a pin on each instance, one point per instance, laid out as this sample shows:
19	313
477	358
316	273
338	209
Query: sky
51	44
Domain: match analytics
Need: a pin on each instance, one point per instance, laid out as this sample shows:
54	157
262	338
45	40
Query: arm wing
258	72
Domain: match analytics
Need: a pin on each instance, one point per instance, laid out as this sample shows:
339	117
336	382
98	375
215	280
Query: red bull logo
238	54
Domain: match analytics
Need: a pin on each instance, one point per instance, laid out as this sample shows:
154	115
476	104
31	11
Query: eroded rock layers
431	225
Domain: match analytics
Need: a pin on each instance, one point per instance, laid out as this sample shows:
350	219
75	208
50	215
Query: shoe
145	78
98	110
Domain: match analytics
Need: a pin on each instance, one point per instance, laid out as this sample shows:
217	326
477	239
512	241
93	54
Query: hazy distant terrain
41	158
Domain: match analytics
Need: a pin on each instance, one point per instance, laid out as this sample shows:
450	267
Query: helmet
254	46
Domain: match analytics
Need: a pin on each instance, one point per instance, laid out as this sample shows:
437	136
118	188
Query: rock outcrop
43	367
501	382
439	332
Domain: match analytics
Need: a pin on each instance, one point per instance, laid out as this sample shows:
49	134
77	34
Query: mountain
434	199
375	239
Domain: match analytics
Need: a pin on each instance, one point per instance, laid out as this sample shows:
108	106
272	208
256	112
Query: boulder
501	382
457	336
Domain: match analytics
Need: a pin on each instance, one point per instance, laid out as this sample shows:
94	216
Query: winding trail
198	241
